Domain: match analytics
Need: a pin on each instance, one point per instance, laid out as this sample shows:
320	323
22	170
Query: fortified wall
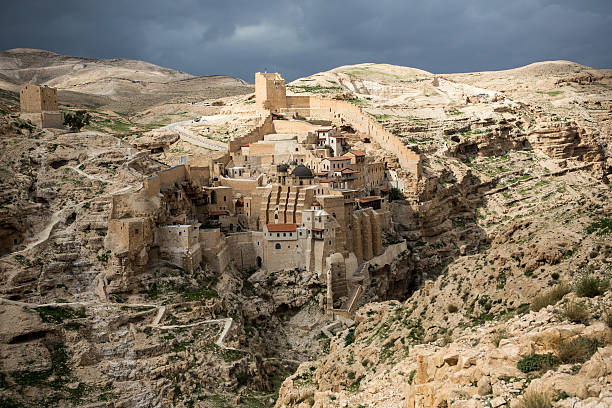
255	135
270	93
343	112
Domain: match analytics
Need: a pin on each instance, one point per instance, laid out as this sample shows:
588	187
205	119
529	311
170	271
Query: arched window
277	246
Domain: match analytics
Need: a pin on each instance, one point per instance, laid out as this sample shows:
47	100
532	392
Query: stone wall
290	254
260	149
243	186
150	186
198	175
255	135
168	177
180	245
367	226
336	278
214	249
292	126
334	205
53	120
342	112
244	248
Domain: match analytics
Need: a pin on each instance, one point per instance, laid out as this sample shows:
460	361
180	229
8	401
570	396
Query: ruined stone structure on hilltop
39	104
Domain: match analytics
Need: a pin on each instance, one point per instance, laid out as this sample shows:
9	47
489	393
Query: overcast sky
302	37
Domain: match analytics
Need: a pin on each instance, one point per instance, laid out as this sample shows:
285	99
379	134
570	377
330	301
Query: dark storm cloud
299	38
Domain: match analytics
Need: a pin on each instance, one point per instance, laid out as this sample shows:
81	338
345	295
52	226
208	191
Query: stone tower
39	105
38	99
270	92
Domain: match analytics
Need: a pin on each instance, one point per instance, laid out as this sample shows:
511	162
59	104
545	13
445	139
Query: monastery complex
283	196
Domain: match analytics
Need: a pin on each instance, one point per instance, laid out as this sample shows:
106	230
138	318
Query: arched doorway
259	261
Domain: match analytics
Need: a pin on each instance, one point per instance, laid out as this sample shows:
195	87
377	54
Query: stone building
39	105
180	245
279	198
271	95
270	92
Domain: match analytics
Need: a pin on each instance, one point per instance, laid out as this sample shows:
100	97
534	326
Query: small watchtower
39	104
270	92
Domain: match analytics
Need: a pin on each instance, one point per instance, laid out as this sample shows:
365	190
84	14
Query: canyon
495	214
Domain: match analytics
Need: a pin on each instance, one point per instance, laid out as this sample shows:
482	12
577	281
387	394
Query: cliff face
565	140
514	200
378	362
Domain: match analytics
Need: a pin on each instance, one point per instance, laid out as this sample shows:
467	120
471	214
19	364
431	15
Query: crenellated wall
37	99
270	91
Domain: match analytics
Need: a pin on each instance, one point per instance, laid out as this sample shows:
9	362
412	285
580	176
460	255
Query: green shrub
535	399
537	362
577	350
549	298
601	226
56	314
350	337
576	312
411	376
452	308
76	120
395	194
590	286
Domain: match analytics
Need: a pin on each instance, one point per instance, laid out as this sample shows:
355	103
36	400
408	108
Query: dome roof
282	168
302	171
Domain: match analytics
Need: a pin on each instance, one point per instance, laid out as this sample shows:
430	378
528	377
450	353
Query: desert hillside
121	85
27	65
501	297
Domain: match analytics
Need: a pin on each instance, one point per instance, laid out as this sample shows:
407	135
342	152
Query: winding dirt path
161	310
43	235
